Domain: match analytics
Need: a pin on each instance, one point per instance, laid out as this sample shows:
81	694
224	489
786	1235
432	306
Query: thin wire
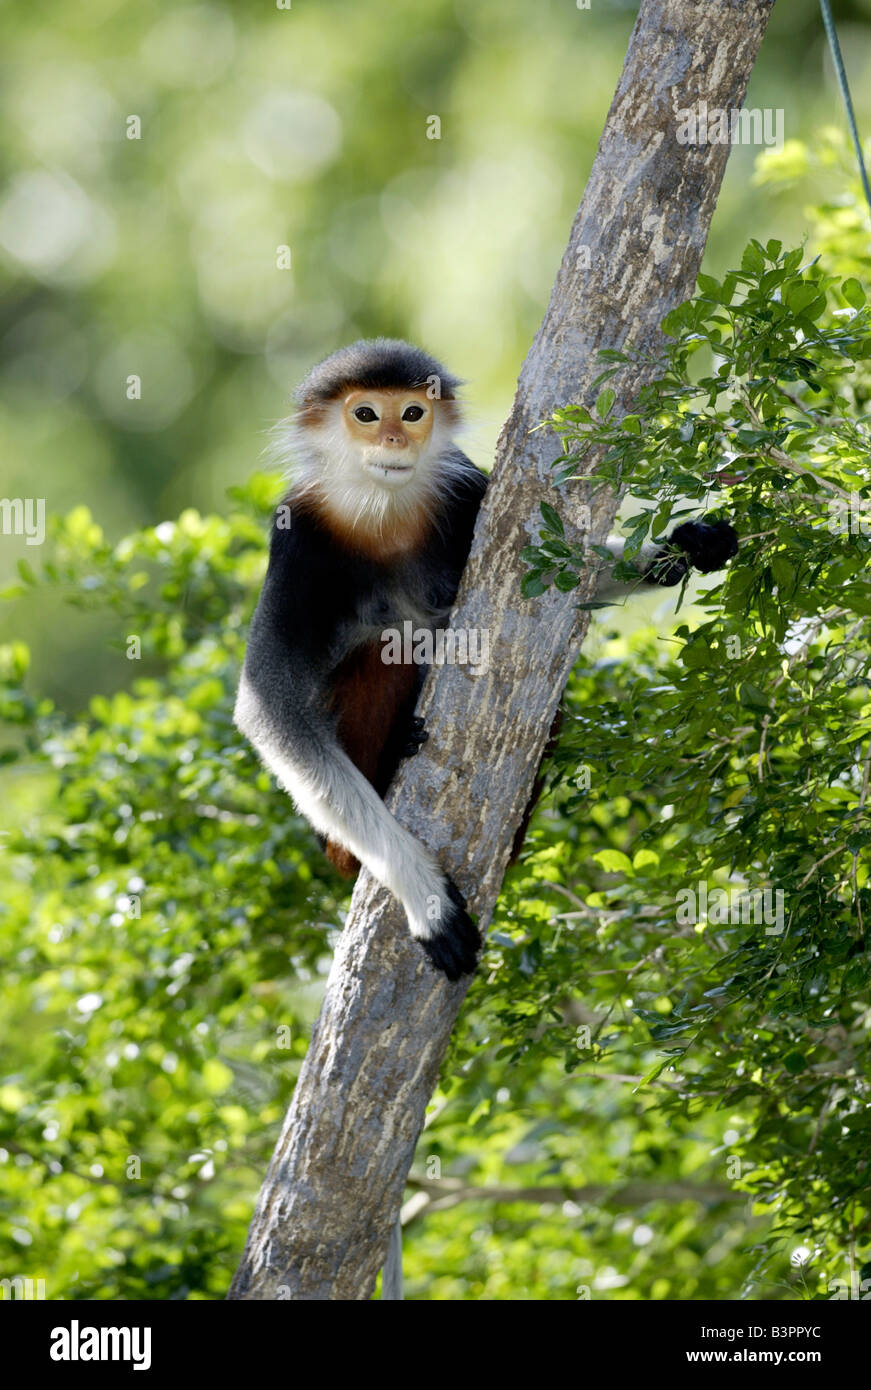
838	61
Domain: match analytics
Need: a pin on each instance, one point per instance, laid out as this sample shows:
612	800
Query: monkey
375	531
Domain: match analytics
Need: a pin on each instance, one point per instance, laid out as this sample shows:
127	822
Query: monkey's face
389	431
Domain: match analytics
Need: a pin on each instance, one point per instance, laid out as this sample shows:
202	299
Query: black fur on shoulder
374	364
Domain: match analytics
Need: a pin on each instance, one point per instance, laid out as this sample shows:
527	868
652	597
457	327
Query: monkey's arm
701	545
698	544
282	709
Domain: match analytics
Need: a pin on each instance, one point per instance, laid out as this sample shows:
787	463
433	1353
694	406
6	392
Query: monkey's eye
365	414
413	412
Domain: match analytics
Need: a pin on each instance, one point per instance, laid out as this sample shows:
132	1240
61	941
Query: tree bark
334	1187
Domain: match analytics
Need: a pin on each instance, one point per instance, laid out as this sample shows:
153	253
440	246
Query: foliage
743	759
263	128
166	921
161	935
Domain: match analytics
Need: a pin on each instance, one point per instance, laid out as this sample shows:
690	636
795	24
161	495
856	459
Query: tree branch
443	1193
335	1183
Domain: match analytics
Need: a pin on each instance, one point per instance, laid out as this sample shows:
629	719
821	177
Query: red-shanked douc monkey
375	531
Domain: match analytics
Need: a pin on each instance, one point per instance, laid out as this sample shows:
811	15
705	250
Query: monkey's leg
371	699
341	859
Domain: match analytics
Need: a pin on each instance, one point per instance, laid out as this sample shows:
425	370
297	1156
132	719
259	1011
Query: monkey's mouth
393	471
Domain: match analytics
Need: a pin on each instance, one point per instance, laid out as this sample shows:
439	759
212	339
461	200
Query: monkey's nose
394	439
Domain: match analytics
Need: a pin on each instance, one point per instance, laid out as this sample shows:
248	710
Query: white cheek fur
324	458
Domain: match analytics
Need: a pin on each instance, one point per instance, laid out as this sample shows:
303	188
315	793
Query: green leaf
799	296
752	697
614	861
661	518
654	1072
853	293
644	858
532	584
566	580
783	571
794	1062
553	548
552	519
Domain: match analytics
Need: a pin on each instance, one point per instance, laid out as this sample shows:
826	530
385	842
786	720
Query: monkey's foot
454	945
417	737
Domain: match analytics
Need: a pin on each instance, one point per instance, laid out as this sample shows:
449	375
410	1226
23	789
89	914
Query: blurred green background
159	257
306	128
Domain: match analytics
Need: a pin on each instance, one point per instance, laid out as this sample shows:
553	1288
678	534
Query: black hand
705	545
708	545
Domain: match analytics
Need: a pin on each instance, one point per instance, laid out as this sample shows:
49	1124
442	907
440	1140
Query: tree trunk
335	1183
